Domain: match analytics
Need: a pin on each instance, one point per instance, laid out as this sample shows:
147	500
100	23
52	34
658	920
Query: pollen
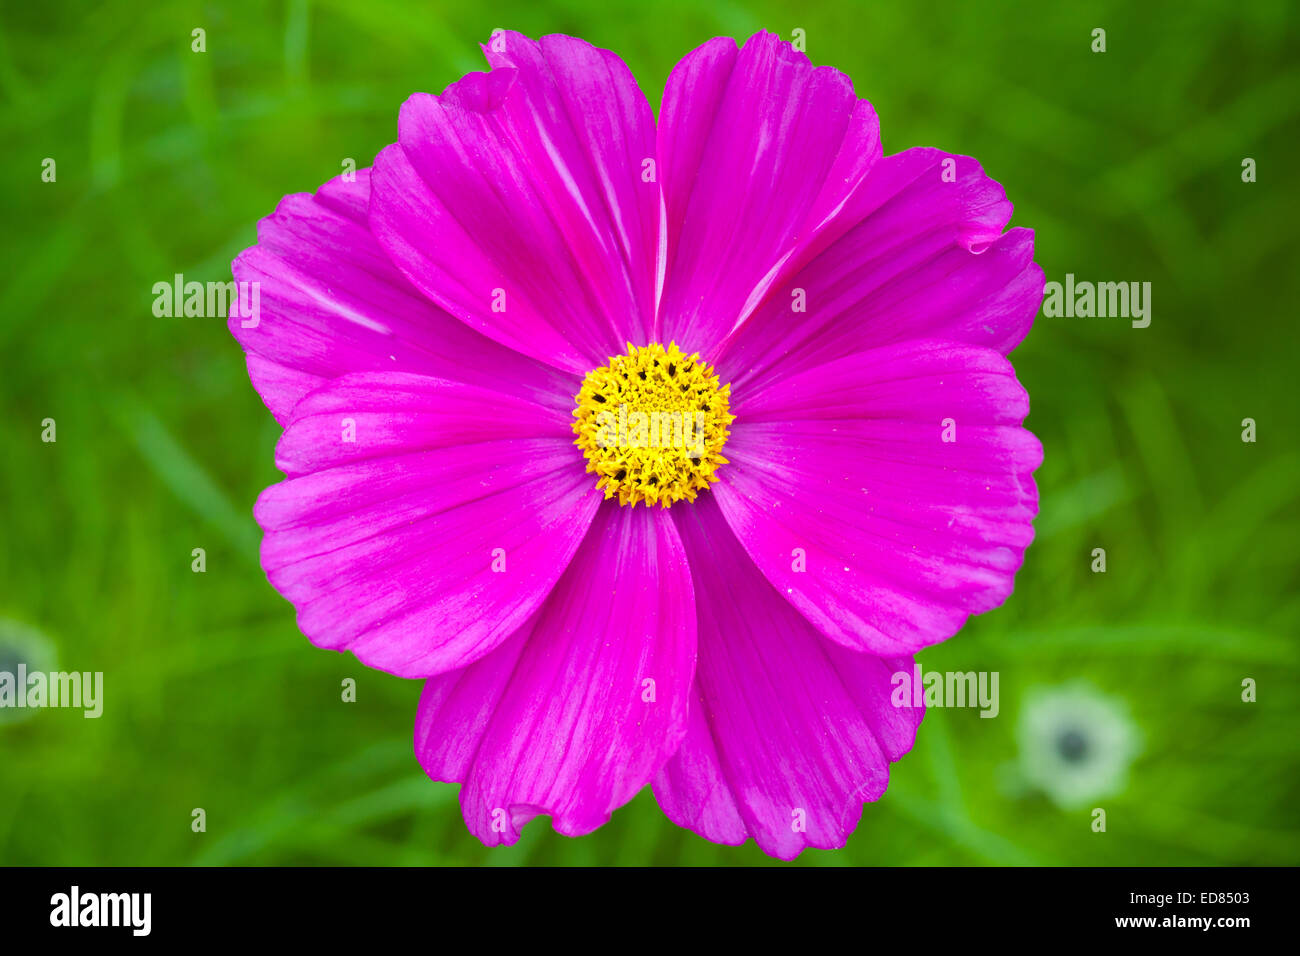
652	424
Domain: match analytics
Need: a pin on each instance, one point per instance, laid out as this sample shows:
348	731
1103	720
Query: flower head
1076	744
652	424
22	651
540	310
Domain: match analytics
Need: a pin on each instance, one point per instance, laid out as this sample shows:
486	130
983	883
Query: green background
1128	165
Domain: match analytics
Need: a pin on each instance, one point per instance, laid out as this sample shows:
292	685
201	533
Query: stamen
651	424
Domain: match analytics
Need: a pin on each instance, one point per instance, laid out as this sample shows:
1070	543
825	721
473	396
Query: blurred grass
1128	166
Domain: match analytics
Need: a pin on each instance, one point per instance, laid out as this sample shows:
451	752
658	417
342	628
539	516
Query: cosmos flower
1076	744
466	343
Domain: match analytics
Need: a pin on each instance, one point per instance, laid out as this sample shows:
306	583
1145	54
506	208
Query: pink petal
528	180
556	721
280	386
760	150
903	534
926	258
787	729
386	544
331	303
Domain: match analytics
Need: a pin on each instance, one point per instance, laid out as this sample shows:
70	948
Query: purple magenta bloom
531	253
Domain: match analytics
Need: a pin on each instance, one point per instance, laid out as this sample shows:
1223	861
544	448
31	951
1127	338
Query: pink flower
531	253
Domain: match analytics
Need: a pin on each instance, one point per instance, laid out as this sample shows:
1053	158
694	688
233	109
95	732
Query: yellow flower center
651	424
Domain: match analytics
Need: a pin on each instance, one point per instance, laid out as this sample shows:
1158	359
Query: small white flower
20	644
1076	744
